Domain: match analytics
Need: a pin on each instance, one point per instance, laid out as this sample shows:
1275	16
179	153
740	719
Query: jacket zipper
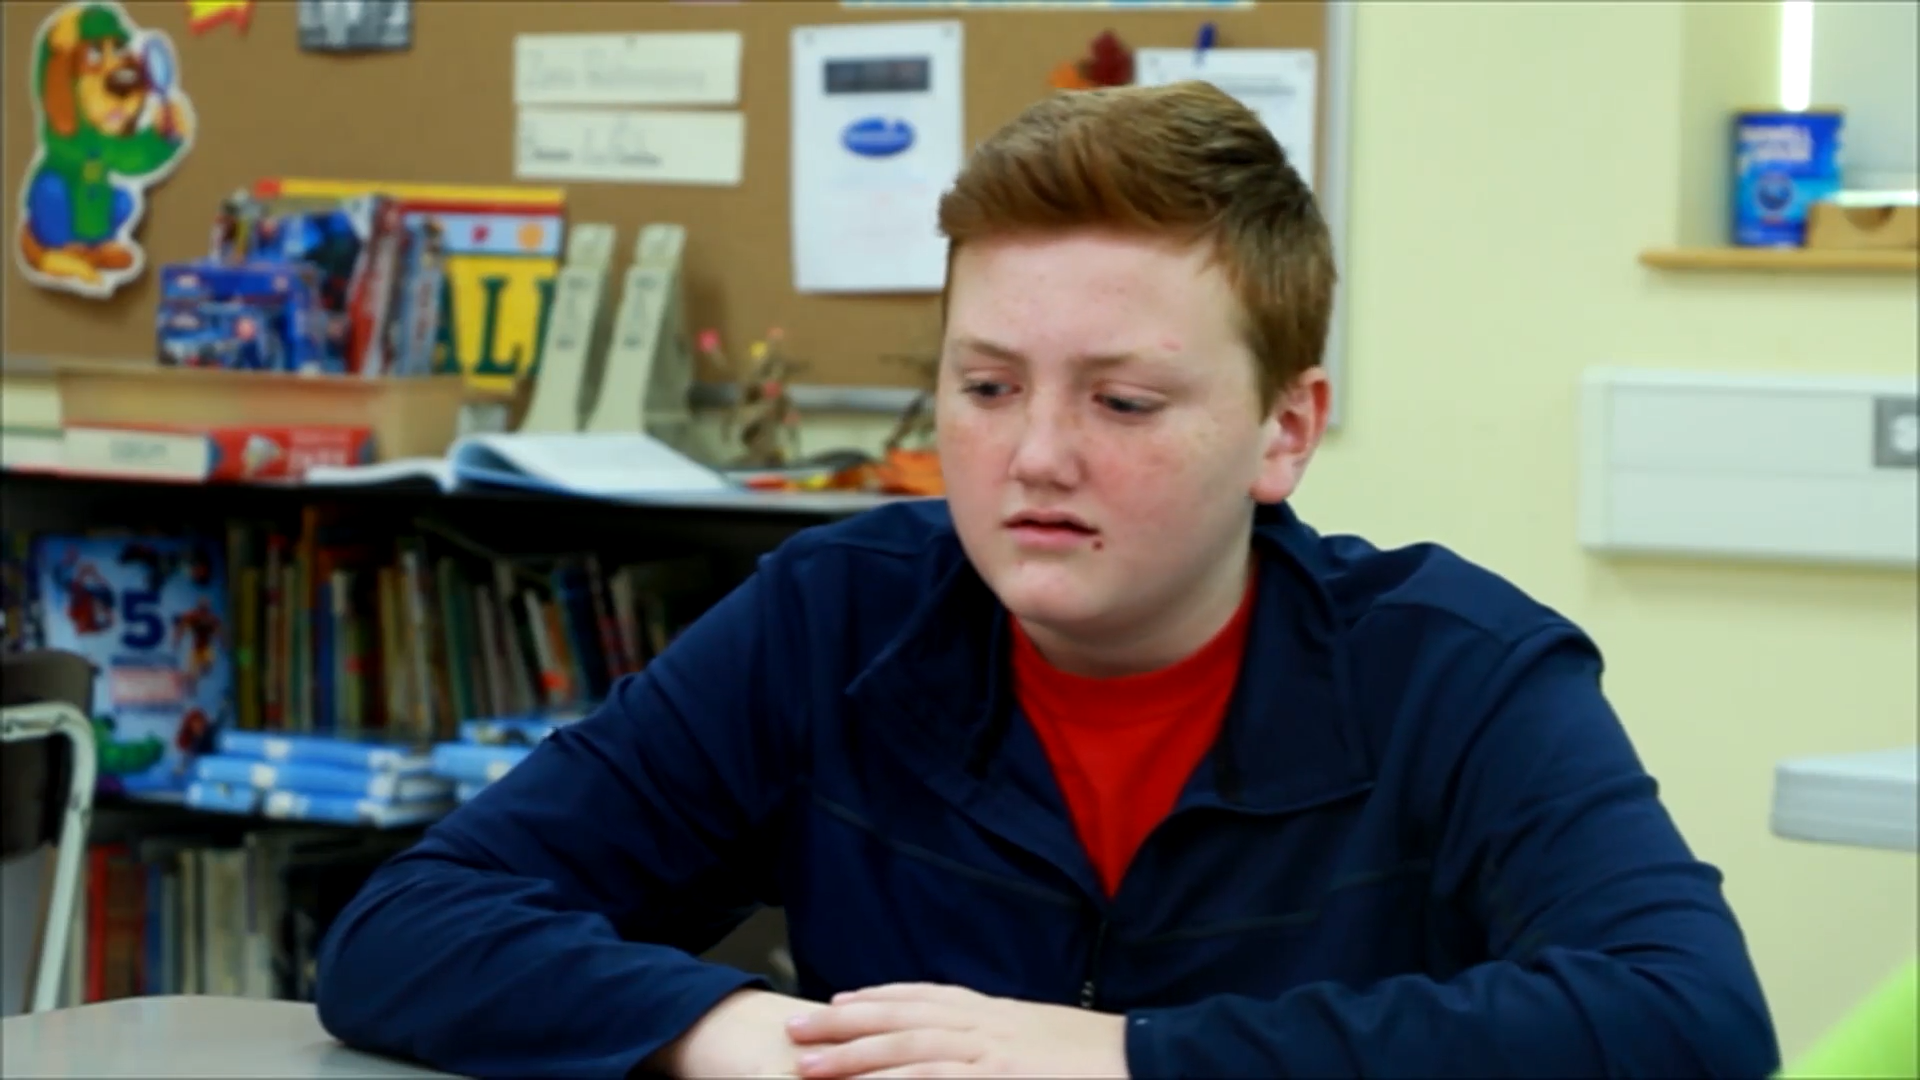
1089	987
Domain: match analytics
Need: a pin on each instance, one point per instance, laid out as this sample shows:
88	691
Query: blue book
320	778
365	754
223	798
515	730
347	810
470	762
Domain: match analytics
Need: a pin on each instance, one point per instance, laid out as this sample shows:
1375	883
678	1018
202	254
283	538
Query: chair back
36	773
39	873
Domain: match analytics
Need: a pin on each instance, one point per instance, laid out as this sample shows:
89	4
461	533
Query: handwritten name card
631	146
680	68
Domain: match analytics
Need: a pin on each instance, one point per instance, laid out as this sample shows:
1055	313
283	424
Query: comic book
494	251
150	613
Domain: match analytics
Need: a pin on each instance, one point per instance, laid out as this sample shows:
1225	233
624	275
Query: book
224	454
199	913
476	764
150	612
515	730
369	755
321	778
590	465
342	640
219	797
30	435
496	252
347	810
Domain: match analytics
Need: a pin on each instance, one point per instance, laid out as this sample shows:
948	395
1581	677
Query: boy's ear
57	91
1293	431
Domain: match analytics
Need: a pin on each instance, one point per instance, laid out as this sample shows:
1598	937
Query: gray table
185	1037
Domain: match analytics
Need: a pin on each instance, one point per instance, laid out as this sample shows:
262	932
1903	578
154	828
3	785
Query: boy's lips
1050	529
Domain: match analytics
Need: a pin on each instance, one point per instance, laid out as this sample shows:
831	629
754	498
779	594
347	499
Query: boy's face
1100	433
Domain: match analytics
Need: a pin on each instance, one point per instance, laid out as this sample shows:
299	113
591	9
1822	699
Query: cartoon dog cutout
111	125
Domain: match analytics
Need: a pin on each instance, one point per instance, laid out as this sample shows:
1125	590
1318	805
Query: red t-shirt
1122	749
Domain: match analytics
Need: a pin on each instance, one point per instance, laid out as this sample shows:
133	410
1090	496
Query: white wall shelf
1861	800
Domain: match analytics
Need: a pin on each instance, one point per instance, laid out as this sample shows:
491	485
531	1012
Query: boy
1106	766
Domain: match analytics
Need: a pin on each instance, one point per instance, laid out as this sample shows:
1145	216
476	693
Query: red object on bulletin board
204	15
1108	63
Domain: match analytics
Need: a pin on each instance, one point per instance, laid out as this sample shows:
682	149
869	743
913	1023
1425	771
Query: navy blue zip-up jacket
1422	845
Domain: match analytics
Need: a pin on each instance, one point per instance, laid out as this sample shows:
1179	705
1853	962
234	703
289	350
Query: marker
1204	41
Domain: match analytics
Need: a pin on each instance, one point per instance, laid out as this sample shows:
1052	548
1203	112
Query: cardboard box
1863	228
410	417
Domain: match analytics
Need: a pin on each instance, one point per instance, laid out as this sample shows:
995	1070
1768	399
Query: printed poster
113	120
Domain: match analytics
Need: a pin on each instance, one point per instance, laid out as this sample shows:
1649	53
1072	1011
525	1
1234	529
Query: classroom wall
1510	161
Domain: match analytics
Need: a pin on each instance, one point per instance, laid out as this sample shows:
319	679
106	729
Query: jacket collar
1288	741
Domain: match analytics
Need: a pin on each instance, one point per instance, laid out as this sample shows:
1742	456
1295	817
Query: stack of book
320	779
233	916
488	748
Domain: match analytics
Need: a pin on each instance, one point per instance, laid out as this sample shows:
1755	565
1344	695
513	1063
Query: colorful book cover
150	613
502	249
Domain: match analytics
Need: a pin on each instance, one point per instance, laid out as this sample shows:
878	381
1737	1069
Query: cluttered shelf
343	667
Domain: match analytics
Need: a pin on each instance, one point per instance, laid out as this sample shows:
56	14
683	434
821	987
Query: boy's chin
1053	600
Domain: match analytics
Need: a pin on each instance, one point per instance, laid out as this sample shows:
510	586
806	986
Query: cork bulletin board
442	112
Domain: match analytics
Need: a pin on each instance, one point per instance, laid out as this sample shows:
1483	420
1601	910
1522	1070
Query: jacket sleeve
547	927
1610	950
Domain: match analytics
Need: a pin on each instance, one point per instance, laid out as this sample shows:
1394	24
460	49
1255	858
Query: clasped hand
904	1029
919	1029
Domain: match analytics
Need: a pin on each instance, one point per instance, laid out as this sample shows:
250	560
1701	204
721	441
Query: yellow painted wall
1510	161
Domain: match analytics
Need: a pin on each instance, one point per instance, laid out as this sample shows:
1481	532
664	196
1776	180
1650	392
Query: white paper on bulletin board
680	68
632	146
877	138
1279	85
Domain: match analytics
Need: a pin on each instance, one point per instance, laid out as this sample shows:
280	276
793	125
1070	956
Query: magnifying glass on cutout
156	56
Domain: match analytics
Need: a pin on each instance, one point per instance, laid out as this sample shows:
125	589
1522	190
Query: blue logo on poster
877	136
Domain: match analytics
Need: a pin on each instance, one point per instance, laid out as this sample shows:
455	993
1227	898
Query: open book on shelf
626	467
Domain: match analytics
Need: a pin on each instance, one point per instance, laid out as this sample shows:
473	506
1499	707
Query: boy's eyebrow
1015	356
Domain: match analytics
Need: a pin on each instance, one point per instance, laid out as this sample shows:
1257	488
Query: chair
47	772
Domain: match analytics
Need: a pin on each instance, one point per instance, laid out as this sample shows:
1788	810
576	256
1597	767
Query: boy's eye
1127	406
983	389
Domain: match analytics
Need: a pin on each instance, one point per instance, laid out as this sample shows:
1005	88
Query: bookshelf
160	909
